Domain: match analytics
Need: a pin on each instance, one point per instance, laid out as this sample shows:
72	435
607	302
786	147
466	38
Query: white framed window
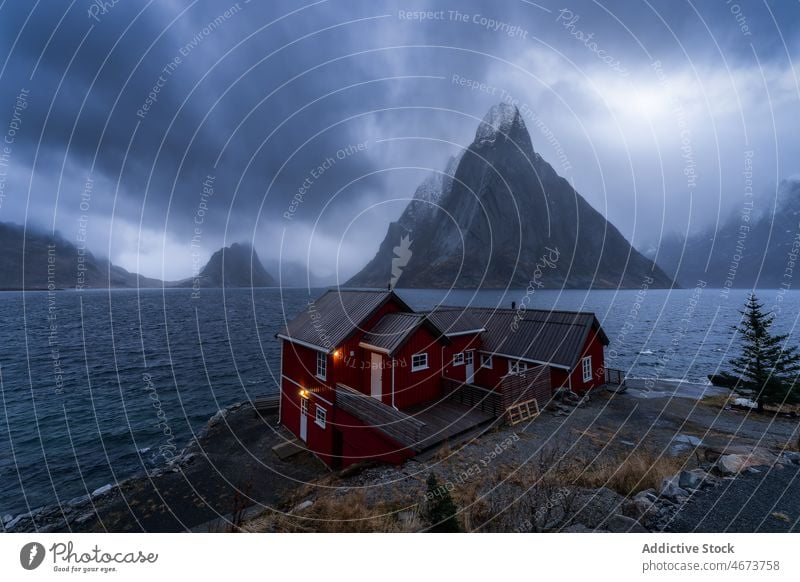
320	416
586	364
486	361
458	359
322	365
517	367
419	362
469	357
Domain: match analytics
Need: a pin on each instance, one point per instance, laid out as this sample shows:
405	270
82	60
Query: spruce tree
439	510
767	366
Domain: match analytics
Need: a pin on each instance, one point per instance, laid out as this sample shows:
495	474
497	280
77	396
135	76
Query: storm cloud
316	121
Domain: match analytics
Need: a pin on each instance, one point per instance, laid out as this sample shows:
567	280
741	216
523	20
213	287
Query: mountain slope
744	252
235	266
505	218
35	260
50	260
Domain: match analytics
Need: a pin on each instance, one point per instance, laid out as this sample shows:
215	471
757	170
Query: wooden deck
445	420
419	428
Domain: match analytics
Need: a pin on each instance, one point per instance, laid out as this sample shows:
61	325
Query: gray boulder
788	457
643	503
302	506
593	506
692	479
671	489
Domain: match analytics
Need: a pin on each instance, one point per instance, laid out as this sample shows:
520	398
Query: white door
304	419
376	375
469	361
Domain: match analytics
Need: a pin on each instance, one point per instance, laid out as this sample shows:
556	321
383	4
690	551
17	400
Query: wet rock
790	457
302	506
671	489
7	517
100	491
83	518
31	514
577	528
78	501
684	442
641	504
692	479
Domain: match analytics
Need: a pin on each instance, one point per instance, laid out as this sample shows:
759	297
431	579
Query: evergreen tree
767	366
439	509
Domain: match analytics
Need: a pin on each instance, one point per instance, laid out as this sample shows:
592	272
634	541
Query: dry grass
544	496
540	495
718	401
723	400
350	512
792	409
782	516
444	452
627	474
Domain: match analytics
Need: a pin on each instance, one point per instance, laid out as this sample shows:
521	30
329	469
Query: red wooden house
363	376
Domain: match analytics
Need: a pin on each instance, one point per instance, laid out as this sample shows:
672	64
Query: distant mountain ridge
500	216
235	266
757	251
34	260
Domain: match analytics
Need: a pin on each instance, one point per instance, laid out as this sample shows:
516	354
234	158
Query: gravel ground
610	425
768	501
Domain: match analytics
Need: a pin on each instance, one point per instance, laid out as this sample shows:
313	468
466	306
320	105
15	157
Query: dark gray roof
455	320
554	337
328	321
392	331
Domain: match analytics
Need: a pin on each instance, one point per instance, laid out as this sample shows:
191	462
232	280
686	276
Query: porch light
303	393
337	353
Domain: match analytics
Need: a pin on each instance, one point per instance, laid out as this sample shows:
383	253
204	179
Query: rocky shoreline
227	468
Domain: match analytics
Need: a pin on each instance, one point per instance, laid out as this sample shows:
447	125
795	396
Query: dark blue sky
652	109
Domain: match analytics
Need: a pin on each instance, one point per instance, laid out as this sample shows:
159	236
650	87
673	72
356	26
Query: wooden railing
473	396
398	426
615	377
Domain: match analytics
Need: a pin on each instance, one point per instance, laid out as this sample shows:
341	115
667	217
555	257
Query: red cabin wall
352	367
458	344
412	388
300	364
363	443
491	377
560	378
319	439
594	348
